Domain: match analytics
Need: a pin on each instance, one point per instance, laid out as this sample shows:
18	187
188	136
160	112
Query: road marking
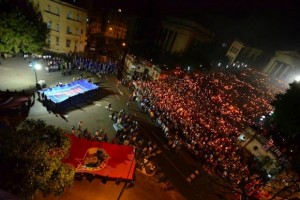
175	167
119	90
39	116
166	147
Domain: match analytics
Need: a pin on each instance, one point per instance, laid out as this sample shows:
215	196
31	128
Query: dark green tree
287	118
21	27
287	111
31	160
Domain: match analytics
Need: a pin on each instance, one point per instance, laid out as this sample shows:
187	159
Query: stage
71	93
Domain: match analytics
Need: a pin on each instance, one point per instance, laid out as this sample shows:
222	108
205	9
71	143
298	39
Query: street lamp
36	66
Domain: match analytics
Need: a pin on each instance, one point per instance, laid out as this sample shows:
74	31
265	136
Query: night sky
265	24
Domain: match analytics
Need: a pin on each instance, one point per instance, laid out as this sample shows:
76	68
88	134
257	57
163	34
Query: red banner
100	158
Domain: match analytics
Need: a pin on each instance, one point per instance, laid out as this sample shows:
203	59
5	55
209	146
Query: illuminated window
68	43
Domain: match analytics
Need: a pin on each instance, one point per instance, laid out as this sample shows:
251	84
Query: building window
68	43
57	11
69	15
75	47
49	24
49	41
57	41
69	30
48	8
57	27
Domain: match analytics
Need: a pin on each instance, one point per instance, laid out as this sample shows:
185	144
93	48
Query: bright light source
110	28
297	78
38	66
263	116
189	68
269	175
119	10
123	44
219	64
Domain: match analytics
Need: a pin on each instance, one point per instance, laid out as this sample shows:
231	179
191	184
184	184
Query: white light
38	66
269	175
297	78
189	68
219	64
119	10
263	116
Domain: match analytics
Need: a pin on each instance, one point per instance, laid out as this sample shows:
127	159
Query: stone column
167	40
270	65
278	69
284	72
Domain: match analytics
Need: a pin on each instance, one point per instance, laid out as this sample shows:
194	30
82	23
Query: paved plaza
17	75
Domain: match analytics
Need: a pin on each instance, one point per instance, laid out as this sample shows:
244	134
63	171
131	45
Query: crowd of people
66	64
206	112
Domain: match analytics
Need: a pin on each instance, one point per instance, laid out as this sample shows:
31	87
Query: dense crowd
206	112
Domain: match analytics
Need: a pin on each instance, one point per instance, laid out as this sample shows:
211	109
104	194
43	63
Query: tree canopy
287	118
287	111
21	27
31	160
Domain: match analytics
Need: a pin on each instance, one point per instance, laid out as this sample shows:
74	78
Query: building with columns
285	65
234	50
67	24
177	35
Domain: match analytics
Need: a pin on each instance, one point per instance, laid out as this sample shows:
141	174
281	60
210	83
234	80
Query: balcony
70	33
76	20
52	13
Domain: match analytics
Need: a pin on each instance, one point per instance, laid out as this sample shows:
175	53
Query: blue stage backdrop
62	93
